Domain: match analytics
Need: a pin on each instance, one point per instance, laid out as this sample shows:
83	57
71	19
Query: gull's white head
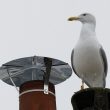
84	18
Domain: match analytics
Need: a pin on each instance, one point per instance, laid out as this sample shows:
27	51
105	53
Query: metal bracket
46	89
48	65
34	63
12	80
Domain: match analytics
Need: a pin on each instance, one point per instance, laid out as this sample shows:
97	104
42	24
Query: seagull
88	58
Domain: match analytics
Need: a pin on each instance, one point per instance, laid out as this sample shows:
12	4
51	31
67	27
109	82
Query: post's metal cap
23	70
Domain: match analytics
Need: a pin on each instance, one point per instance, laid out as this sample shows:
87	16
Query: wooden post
91	99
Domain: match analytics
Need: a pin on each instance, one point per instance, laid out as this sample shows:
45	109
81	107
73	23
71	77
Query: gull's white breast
88	62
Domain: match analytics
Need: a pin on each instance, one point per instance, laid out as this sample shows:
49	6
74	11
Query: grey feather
72	63
104	58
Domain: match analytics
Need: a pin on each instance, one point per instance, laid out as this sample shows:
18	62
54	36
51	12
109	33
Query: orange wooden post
31	99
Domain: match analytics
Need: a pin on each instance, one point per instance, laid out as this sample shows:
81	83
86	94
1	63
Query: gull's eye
84	14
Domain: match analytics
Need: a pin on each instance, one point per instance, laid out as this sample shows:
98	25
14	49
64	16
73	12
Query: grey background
40	27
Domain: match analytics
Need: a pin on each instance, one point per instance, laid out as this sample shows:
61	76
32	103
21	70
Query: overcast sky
40	27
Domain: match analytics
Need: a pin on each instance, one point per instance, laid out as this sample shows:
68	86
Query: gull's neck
88	30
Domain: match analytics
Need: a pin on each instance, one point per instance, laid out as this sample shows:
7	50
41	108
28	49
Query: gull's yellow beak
73	18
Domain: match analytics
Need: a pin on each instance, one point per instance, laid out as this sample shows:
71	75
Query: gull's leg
82	86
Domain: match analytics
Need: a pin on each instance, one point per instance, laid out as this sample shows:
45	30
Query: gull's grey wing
72	62
104	58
